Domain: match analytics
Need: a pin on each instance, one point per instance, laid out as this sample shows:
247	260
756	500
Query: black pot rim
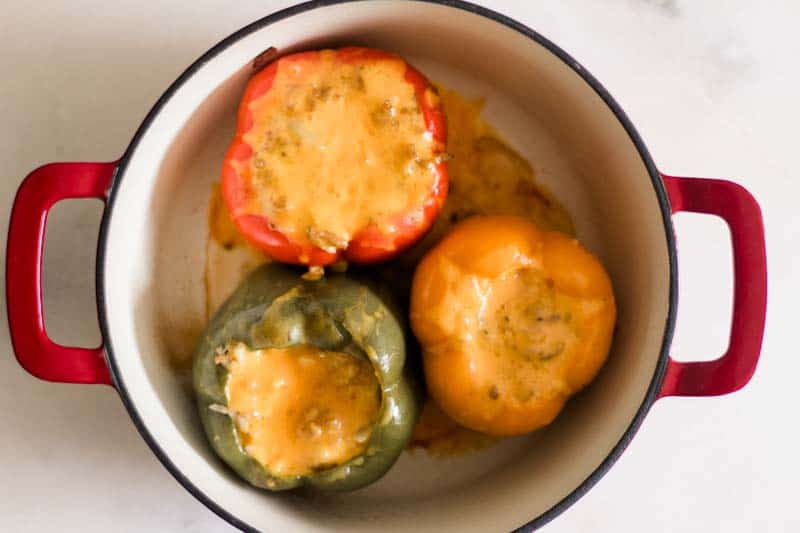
655	177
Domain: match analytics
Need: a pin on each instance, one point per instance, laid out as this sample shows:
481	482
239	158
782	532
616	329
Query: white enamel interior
155	252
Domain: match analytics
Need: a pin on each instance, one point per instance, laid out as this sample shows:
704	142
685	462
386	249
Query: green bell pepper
275	308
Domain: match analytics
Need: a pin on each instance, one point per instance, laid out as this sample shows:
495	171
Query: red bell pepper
368	244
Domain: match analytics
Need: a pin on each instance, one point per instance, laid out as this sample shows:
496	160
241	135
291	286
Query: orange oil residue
440	435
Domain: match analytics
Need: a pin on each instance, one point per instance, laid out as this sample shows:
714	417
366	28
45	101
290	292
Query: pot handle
737	207
35	351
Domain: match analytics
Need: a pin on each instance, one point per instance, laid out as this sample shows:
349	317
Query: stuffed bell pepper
302	383
338	154
513	320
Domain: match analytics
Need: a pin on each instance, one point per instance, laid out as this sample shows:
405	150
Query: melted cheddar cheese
338	147
300	410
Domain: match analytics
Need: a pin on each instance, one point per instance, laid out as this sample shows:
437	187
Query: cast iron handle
35	351
737	207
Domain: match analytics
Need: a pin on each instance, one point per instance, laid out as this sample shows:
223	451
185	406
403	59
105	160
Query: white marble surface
712	88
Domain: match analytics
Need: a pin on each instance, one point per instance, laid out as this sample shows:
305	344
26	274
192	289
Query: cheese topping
338	147
300	410
526	323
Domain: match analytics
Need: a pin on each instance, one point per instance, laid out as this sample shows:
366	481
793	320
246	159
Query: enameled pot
151	300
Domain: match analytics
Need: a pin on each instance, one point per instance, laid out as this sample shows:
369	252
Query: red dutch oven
151	256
